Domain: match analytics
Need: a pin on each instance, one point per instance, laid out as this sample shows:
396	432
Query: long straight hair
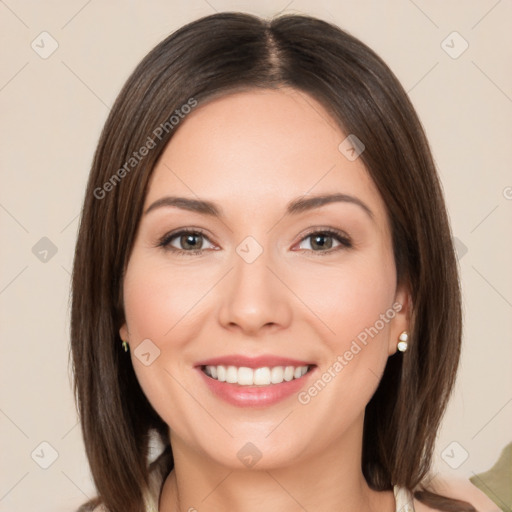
211	57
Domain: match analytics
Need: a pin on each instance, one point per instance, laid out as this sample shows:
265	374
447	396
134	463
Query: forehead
260	148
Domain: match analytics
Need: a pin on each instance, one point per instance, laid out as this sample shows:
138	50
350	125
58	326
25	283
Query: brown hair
213	56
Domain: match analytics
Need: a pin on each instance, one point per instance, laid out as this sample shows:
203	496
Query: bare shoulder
461	489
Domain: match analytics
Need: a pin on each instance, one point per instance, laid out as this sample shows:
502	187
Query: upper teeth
255	376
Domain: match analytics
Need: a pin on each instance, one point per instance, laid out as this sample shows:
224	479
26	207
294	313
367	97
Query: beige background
53	110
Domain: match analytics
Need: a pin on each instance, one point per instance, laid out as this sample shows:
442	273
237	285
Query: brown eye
184	242
191	241
324	241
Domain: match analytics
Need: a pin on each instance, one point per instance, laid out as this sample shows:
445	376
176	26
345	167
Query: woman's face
269	283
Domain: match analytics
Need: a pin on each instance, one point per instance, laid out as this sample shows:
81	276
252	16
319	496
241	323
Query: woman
264	278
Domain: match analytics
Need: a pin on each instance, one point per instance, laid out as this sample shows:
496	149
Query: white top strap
403	498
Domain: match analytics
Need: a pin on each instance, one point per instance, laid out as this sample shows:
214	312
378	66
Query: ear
123	332
401	322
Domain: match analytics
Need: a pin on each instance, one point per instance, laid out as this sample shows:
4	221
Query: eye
185	241
322	241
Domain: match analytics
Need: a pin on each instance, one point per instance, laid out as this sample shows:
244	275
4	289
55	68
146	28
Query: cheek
164	305
353	307
355	355
157	298
350	297
154	302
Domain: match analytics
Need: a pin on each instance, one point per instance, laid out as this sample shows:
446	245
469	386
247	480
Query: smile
264	376
255	381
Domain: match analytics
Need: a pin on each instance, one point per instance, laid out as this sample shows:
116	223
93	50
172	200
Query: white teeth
231	375
245	376
288	373
277	375
221	373
264	376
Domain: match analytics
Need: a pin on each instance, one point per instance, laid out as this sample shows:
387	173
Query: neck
332	480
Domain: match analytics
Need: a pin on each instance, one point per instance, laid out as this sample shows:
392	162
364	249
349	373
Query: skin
252	153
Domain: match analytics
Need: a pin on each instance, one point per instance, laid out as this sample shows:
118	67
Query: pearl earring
402	344
125	345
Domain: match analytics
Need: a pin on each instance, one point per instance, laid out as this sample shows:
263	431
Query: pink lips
254	396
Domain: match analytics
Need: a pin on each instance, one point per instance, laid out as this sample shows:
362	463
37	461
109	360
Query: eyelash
337	235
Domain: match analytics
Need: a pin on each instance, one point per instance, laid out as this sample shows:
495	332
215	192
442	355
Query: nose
253	299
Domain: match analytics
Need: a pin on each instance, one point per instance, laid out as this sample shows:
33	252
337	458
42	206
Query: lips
256	381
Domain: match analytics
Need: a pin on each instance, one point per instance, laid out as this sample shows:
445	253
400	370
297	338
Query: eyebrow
294	207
